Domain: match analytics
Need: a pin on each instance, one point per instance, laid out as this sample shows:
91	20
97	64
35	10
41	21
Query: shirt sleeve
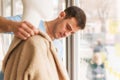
15	18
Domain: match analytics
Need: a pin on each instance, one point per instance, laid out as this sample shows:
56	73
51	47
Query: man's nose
67	33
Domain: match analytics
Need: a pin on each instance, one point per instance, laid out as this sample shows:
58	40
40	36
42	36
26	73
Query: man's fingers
27	28
29	24
21	36
23	32
34	29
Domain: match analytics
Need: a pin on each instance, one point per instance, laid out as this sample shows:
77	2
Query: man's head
78	14
68	22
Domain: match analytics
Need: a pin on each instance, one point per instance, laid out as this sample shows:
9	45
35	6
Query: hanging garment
33	59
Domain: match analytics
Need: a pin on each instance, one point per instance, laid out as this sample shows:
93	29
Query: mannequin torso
35	10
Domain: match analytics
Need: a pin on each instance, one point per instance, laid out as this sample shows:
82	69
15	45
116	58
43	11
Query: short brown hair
78	14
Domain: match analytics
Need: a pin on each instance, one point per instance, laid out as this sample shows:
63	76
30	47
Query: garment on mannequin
35	10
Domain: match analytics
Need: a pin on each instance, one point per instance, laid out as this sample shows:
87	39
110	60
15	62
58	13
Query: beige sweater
33	59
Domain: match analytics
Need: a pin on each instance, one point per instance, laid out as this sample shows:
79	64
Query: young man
24	30
36	58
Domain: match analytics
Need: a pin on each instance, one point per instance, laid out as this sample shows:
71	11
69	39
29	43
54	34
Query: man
68	22
24	30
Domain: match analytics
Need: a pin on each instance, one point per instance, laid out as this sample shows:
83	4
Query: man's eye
68	27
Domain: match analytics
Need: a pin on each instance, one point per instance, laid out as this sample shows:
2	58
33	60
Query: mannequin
35	10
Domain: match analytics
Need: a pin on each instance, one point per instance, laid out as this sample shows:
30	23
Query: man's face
65	27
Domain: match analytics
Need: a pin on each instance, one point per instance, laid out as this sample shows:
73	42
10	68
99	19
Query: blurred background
101	36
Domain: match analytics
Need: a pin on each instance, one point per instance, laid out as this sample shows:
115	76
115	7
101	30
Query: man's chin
58	37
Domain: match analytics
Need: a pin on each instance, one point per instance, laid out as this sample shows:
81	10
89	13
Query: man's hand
23	30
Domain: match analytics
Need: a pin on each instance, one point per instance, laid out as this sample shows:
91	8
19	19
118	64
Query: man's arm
21	29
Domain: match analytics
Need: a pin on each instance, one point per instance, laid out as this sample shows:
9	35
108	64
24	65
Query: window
102	25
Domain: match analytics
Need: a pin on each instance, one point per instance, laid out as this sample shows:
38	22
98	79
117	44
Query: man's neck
49	28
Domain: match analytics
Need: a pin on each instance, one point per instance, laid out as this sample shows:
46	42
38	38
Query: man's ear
62	15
